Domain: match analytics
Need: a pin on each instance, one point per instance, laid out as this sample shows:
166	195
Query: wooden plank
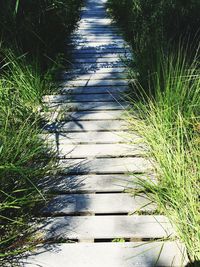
64	98
95	76
133	254
93	66
100	21
110	37
92	50
86	106
103	55
100	82
93	31
91	183
96	60
100	28
108	137
84	126
99	71
97	203
99	46
94	37
100	150
106	227
97	43
106	166
93	90
94	25
83	115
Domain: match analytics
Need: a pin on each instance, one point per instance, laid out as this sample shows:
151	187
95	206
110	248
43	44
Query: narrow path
91	207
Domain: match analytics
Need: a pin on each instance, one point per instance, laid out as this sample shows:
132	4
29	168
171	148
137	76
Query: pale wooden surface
101	150
93	89
91	199
82	98
132	254
97	203
82	126
107	165
92	183
85	106
105	227
107	137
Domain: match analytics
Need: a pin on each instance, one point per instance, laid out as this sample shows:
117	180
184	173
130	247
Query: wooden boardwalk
91	209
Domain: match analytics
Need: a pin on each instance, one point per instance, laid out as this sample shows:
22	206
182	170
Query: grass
169	125
39	28
33	41
165	106
24	157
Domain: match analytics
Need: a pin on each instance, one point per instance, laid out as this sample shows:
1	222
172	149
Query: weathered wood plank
86	106
100	21
95	37
100	82
100	227
106	165
100	150
83	115
96	60
91	183
84	126
103	55
110	37
94	66
64	98
92	50
93	31
109	70
93	90
97	43
108	137
95	76
133	254
97	203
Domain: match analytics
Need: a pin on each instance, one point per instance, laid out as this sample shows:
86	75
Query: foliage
39	28
33	37
165	96
156	23
169	124
23	155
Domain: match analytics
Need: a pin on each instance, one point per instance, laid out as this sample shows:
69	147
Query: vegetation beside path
33	38
165	95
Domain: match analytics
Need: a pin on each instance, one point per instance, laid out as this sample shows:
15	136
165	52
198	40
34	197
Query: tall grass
169	125
24	157
40	28
153	24
33	34
166	110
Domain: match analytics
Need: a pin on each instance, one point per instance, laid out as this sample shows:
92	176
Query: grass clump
23	155
40	28
169	125
33	36
165	98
